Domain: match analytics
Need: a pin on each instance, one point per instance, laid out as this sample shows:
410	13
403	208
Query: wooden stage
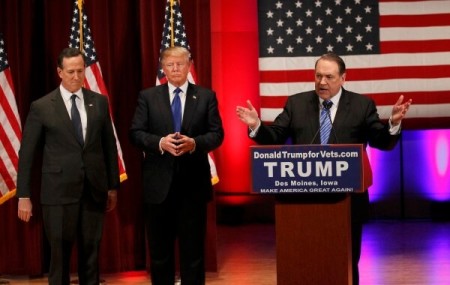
394	253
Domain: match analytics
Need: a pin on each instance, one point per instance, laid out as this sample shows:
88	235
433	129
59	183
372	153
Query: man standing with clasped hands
176	125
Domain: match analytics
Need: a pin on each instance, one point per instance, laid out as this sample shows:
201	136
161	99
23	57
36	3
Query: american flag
94	79
10	129
390	48
174	34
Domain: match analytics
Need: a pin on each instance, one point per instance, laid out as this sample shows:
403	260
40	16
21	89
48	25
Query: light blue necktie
176	110
325	122
76	120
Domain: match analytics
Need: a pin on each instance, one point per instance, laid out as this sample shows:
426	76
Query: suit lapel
163	102
342	112
189	107
314	115
90	107
61	111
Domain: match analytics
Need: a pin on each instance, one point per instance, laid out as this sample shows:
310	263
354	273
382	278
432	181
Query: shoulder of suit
349	95
303	95
154	89
52	95
199	89
91	92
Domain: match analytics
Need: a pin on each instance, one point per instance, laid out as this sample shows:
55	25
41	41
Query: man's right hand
248	115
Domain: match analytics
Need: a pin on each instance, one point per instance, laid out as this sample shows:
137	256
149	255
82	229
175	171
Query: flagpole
172	37
80	8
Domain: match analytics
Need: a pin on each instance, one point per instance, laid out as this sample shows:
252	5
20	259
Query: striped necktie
325	122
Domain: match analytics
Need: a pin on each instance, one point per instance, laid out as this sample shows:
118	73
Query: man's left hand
185	144
399	110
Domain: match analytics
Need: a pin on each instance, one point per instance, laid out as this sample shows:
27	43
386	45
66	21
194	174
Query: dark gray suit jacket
153	120
66	164
356	122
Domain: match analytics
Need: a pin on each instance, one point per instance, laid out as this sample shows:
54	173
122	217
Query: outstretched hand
248	115
399	110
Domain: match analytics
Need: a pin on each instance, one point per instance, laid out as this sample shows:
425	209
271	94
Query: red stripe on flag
98	78
281	76
273	101
414	46
409	21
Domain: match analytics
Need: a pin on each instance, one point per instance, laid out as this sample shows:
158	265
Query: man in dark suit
71	127
175	170
354	118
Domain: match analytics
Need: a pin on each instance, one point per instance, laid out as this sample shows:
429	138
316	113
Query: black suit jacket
66	163
356	122
153	120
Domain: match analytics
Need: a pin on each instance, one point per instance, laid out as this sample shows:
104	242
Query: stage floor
394	253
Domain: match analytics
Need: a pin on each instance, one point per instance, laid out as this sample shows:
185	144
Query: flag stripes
10	129
81	34
413	60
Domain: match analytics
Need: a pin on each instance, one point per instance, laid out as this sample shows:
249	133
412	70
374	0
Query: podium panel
313	239
303	169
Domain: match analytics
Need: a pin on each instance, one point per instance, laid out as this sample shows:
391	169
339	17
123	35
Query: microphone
315	135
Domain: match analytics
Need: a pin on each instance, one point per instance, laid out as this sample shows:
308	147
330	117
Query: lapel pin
195	97
90	105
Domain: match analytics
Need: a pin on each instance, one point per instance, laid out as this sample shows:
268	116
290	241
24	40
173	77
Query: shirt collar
182	87
66	94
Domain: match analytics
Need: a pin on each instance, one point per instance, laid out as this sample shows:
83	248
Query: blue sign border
287	169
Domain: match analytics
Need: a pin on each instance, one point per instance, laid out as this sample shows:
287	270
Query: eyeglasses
175	64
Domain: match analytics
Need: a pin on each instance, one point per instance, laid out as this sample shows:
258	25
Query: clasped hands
177	144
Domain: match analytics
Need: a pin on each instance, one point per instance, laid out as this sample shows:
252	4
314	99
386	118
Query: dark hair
68	53
333	57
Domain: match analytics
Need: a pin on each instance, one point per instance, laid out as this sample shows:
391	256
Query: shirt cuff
160	148
195	145
255	131
394	130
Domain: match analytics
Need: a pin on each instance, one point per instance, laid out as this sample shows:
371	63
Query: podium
312	184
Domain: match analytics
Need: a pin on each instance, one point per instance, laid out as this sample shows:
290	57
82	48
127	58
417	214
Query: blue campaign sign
306	168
